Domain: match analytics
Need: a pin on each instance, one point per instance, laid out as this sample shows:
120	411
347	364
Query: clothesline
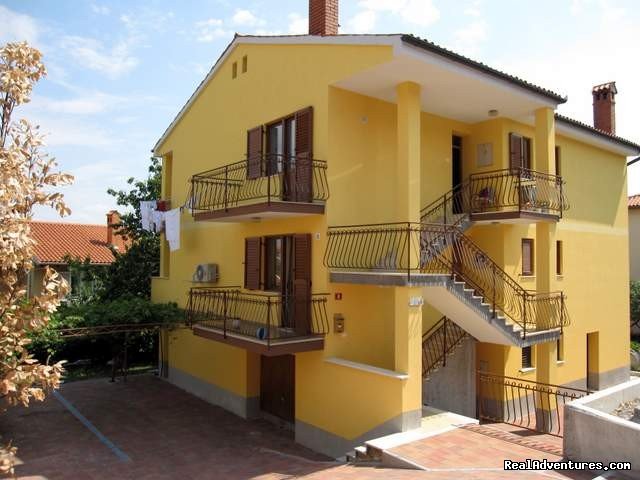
154	220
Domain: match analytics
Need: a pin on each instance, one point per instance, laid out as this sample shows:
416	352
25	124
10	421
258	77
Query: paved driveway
148	429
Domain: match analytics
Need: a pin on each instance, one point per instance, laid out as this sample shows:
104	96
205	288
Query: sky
119	71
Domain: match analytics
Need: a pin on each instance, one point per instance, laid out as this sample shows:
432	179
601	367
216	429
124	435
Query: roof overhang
589	135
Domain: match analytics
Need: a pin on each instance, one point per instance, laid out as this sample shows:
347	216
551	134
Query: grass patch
635	345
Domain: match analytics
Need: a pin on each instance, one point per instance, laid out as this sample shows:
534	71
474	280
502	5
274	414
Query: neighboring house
634	237
308	163
56	242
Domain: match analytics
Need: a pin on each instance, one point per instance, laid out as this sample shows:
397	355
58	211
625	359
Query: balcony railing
257	316
417	249
510	191
267	178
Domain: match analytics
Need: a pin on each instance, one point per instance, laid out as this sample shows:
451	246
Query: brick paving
169	434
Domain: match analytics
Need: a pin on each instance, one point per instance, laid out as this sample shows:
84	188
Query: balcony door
456	173
289	155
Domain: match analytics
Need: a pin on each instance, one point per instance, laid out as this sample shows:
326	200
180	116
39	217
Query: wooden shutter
559	268
526	153
254	153
252	261
515	151
304	155
558	166
527	360
527	256
302	283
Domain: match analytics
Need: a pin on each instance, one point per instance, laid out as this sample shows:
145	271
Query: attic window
234	70
244	64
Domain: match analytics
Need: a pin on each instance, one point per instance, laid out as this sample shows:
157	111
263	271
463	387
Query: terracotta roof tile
634	201
56	240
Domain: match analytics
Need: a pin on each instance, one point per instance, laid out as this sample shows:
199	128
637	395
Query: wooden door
456	173
303	170
301	282
277	386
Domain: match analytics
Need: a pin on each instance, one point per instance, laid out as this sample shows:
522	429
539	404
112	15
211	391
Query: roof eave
618	144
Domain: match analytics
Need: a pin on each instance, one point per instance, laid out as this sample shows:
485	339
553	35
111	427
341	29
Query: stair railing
438	342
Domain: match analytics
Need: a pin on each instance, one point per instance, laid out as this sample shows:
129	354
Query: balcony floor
286	343
515	216
262	210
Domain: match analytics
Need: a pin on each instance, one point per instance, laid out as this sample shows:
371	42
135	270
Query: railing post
444	203
524	315
519	189
444	345
226	185
267	160
493	267
561	312
268	322
224	313
408	252
561	198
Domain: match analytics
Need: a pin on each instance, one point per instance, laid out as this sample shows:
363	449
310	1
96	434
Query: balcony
514	195
268	324
266	186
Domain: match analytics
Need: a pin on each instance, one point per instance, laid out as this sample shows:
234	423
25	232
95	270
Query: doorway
287	158
592	361
456	173
277	386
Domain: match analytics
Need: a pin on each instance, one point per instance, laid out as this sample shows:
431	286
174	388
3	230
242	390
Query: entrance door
277	386
456	173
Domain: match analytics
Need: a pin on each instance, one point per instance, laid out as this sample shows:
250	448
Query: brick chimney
113	218
323	17
604	107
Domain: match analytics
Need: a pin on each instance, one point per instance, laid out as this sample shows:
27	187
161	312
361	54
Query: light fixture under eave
493	112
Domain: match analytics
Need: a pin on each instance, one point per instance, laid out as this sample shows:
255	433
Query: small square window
558	164
244	64
559	258
560	349
234	70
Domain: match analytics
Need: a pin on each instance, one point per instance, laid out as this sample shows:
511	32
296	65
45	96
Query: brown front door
277	386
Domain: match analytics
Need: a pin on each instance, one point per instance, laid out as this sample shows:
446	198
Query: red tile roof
56	240
634	201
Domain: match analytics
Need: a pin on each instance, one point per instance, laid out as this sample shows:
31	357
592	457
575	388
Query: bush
48	343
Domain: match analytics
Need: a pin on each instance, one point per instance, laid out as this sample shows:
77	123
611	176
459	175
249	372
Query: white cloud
362	22
210	30
91	53
17	27
469	38
416	12
473	8
246	18
100	9
298	25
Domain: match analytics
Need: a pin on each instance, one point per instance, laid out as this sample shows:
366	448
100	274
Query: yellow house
355	200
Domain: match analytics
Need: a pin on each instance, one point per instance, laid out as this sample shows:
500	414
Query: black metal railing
508	190
438	342
414	248
530	405
262	316
269	178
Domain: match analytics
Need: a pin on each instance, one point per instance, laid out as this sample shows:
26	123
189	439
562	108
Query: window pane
273	280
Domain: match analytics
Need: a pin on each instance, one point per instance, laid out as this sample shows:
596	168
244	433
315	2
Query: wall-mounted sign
337	295
485	155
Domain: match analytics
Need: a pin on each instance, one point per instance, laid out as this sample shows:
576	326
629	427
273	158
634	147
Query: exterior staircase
438	343
458	277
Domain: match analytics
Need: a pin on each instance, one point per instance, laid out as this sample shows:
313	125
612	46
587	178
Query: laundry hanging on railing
172	228
147	207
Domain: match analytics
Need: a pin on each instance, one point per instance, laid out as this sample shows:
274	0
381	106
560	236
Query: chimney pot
604	107
113	218
323	17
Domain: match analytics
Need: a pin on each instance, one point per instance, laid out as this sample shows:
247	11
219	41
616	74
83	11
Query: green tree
635	303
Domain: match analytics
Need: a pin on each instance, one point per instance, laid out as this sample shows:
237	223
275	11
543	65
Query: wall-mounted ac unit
206	273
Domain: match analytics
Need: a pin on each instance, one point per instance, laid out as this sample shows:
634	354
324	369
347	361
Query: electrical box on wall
338	323
206	273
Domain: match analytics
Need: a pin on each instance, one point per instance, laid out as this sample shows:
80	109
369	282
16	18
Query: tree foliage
28	177
635	303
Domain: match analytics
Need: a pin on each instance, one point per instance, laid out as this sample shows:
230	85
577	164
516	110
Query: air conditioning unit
206	273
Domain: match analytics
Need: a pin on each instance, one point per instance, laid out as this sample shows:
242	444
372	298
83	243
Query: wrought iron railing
509	190
523	403
414	248
261	316
438	342
269	178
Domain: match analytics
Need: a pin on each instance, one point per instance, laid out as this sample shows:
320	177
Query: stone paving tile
169	434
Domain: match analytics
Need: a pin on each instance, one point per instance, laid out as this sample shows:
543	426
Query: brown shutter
304	155
558	166
527	256
254	153
526	153
252	260
515	151
302	283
